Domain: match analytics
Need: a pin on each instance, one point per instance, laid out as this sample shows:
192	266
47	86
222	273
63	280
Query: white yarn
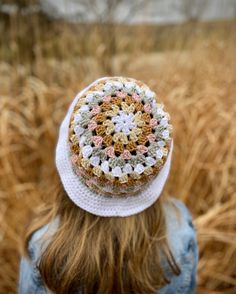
116	171
127	168
150	161
139	168
124	122
87	151
105	166
165	134
95	160
92	202
159	154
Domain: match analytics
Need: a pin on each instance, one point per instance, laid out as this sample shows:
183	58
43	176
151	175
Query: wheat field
197	82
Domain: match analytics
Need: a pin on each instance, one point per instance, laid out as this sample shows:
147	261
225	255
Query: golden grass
198	87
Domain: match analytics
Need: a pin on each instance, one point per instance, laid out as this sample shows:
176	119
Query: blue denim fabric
182	241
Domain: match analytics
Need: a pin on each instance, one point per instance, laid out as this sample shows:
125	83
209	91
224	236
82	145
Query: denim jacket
182	241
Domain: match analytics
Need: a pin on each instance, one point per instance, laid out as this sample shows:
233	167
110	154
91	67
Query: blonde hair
103	255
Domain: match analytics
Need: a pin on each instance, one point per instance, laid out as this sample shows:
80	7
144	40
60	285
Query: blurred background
183	49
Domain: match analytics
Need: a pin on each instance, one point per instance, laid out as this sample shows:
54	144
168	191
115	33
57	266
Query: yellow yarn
110	177
148	170
110	126
138	119
123	179
135	176
81	102
97	171
120	137
113	112
85	163
74	139
133	136
127	108
165	151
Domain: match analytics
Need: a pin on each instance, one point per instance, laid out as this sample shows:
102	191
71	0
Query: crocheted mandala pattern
119	137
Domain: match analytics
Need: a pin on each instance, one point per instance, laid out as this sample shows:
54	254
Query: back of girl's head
111	234
104	255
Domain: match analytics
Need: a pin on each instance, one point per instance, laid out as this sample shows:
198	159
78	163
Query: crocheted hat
114	149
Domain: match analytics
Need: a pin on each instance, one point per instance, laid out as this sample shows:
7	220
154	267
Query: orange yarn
138	106
75	148
146	117
131	146
105	106
119	147
147	130
100	117
100	130
107	140
142	139
117	101
129	100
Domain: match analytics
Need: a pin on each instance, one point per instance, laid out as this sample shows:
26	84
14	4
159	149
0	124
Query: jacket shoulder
179	225
182	241
40	239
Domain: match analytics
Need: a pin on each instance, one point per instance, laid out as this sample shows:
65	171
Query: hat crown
119	136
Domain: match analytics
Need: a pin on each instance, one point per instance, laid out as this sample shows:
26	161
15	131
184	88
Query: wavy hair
103	255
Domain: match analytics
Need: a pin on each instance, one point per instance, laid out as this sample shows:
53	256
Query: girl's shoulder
178	219
182	241
40	239
181	232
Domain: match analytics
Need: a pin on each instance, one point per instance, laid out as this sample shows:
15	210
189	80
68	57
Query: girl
108	230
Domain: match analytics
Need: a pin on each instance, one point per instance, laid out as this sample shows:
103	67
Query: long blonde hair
103	255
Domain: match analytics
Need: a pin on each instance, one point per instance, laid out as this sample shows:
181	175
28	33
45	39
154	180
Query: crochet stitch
117	147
